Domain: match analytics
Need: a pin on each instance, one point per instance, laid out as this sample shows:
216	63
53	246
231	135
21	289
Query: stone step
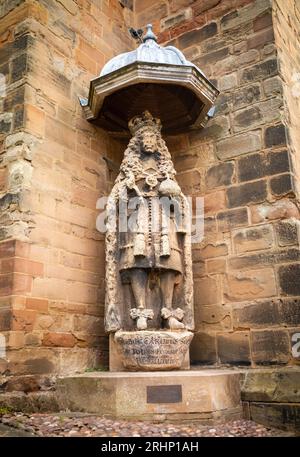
207	395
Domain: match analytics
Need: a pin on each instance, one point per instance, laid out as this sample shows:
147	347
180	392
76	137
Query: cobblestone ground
11	432
83	425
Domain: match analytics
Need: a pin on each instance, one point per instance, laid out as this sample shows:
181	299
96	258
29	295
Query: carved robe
156	242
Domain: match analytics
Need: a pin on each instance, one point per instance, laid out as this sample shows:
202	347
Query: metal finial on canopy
149	34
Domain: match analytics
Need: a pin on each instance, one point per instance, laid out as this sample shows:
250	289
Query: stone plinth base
206	395
150	350
271	396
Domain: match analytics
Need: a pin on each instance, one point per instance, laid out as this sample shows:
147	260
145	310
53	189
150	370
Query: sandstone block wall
286	17
53	167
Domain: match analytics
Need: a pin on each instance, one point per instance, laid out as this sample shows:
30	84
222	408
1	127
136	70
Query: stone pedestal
148	350
206	395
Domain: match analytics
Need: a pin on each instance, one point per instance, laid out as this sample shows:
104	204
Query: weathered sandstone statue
149	286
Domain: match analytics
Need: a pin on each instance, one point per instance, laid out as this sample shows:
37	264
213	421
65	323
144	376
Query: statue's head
147	128
148	141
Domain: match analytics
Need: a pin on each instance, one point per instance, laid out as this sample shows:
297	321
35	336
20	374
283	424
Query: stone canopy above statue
154	78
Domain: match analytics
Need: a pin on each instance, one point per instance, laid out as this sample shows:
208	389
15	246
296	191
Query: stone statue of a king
149	285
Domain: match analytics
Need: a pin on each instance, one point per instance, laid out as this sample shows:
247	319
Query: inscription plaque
164	394
153	350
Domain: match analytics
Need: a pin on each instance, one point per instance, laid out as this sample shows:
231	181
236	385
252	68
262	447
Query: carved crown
146	120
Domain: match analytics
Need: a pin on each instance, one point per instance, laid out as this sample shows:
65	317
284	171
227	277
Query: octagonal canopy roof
148	51
154	78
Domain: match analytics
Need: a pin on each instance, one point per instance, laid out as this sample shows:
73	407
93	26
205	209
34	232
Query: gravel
91	425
